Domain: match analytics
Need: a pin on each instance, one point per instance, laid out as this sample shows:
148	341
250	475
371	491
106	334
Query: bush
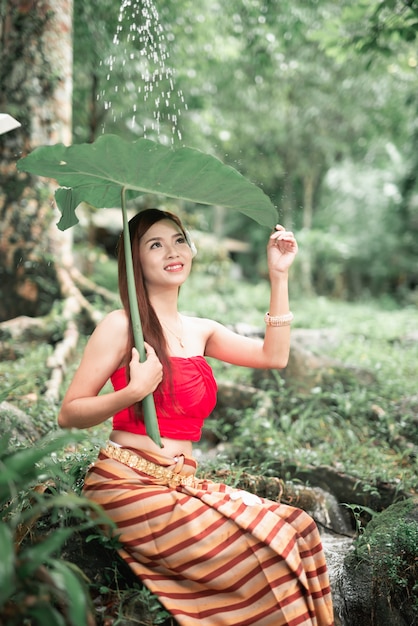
35	584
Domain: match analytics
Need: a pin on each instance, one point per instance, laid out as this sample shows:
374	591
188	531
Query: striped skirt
214	555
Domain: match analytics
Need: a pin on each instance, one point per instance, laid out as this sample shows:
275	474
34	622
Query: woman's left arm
273	352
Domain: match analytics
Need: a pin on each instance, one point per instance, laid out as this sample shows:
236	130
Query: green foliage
35	584
153	611
345	261
377	27
23	26
94	26
358	512
334	427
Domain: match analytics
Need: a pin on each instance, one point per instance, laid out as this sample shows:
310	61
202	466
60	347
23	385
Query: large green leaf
96	173
43	613
37	554
68	582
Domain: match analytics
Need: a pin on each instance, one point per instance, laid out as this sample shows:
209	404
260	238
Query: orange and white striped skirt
214	555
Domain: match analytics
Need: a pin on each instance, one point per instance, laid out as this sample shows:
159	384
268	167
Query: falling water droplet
140	53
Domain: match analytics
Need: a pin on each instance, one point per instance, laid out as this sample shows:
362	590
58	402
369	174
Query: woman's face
165	255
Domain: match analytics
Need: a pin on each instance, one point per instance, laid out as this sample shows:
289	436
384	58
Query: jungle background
315	102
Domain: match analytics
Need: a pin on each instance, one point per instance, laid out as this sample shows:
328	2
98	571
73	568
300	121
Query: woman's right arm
82	406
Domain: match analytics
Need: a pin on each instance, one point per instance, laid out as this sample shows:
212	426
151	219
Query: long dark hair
151	327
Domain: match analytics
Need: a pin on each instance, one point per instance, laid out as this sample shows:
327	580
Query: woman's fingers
146	375
281	233
283	236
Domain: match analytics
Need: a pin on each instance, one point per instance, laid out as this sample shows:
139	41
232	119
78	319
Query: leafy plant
109	171
35	583
358	512
143	600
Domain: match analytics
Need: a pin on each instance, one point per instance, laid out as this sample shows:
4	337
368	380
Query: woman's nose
172	251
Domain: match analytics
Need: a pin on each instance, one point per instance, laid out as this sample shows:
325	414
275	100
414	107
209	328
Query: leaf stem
148	405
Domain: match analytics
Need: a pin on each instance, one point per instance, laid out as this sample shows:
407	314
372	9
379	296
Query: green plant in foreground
357	510
35	584
151	608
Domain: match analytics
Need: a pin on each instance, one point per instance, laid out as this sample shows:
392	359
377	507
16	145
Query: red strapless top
194	389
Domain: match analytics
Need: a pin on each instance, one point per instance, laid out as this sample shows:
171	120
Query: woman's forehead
163	227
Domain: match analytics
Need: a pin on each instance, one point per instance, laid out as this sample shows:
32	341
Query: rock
377	585
335	549
25	328
306	370
406	412
235	395
17	424
345	487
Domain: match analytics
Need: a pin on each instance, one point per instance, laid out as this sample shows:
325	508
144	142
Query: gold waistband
169	478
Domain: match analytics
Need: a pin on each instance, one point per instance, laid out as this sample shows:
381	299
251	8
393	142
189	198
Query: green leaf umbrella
109	171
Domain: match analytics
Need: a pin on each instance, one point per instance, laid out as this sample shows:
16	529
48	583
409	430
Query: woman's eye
156	244
181	239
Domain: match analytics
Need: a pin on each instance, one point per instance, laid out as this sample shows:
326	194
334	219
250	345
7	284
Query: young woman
214	555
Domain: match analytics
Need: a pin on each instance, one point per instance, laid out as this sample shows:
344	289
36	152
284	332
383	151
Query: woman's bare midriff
171	449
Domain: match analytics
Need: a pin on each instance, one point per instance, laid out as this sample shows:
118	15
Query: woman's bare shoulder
114	325
115	320
200	329
109	339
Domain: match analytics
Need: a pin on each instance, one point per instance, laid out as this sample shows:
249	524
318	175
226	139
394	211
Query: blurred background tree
36	89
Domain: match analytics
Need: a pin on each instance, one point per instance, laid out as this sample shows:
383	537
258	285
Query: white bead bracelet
278	320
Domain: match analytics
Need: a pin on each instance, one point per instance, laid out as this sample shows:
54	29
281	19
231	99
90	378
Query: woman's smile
174	267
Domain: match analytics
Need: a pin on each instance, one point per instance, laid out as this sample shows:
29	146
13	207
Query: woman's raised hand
282	248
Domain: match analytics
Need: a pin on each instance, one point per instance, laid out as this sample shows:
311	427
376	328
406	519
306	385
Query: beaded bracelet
278	320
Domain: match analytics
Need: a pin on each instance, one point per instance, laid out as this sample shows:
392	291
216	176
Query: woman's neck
165	304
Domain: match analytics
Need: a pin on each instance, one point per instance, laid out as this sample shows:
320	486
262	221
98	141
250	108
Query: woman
214	555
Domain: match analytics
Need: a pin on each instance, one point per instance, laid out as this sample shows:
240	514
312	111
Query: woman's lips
175	267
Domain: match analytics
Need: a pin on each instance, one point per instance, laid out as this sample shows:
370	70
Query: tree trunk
36	88
308	199
308	203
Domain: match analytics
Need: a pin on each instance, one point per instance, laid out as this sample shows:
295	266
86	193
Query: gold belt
172	479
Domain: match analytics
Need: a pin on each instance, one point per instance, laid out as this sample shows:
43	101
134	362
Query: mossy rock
379	582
